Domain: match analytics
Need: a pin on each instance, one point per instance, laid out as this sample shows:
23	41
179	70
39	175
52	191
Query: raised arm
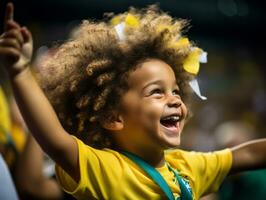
248	156
15	55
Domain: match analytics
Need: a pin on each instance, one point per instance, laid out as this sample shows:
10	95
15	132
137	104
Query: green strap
186	193
154	174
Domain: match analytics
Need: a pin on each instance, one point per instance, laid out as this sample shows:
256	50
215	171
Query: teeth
173	118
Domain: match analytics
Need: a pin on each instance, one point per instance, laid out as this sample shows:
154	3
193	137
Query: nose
174	101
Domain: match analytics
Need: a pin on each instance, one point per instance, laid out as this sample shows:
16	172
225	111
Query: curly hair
87	76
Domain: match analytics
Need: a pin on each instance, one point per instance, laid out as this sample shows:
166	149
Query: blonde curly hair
86	77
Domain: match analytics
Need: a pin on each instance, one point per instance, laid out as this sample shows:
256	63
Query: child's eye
156	92
176	92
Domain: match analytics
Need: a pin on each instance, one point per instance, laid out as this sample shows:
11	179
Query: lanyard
184	187
157	178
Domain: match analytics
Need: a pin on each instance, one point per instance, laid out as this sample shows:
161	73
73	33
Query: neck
149	152
152	157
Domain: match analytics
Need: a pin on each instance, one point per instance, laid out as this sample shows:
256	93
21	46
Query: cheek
153	109
137	110
184	110
144	111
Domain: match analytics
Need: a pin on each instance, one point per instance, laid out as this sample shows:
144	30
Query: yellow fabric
18	136
191	63
181	43
4	117
132	20
115	20
106	174
9	132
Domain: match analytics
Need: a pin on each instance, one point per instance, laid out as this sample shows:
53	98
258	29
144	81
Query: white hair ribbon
203	57
195	87
119	28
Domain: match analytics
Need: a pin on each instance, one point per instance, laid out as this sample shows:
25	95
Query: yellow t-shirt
4	117
12	136
107	174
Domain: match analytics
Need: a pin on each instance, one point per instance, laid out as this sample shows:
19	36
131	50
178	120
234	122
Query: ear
115	123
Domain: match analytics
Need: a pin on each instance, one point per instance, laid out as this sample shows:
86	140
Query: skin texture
136	126
153	95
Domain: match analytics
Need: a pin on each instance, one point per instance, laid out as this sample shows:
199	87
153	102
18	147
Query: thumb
26	35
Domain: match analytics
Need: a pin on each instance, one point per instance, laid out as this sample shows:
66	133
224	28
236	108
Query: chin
172	143
170	139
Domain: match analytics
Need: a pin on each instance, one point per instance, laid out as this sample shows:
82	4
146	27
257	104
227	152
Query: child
122	87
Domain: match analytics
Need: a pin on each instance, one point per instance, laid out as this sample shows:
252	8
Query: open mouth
170	121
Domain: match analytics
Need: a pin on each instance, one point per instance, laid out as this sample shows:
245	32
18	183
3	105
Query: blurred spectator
31	182
244	186
7	146
7	189
31	171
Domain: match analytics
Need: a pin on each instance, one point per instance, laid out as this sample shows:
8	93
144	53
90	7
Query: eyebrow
158	82
152	83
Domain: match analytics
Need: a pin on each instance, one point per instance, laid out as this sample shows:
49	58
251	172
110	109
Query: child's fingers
26	34
9	15
12	25
10	42
9	54
14	34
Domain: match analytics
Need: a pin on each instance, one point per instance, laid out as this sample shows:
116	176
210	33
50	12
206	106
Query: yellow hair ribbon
131	20
191	63
120	25
182	42
115	20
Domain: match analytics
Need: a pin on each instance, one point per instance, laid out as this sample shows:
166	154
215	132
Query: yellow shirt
107	174
12	136
4	117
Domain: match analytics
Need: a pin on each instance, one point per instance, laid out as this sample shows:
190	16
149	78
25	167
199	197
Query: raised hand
15	44
15	55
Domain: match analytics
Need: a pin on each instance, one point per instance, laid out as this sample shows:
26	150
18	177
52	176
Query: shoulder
200	161
204	170
187	155
88	152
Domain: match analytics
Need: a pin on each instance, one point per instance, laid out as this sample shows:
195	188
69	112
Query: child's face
152	109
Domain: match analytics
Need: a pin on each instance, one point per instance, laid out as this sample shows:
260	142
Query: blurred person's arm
29	178
15	54
249	156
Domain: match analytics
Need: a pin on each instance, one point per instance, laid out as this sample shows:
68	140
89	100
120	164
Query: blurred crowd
26	172
235	112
